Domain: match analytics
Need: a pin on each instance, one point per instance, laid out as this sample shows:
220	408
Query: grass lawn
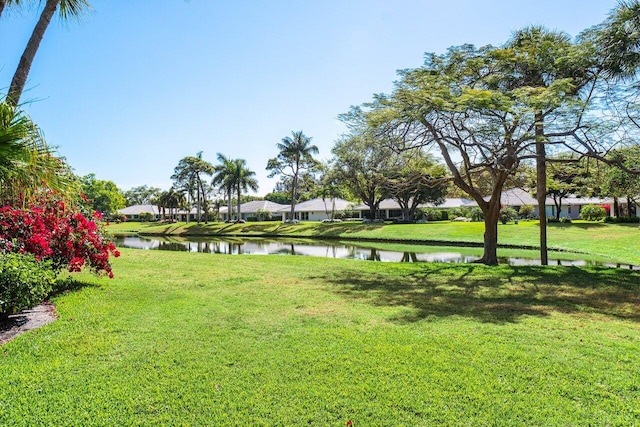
201	339
612	242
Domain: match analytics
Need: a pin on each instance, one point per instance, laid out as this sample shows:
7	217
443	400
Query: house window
304	216
569	210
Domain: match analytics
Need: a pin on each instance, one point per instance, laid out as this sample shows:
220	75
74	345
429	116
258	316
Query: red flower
57	231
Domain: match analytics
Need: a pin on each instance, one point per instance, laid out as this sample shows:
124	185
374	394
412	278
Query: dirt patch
26	320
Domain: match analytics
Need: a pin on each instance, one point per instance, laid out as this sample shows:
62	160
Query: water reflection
330	249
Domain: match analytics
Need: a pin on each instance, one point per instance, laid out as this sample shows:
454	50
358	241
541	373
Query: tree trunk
198	202
491	217
229	204
541	177
294	184
628	207
239	213
19	80
188	207
205	203
616	207
559	208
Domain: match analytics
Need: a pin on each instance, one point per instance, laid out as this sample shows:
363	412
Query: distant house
514	197
390	209
571	206
191	215
316	209
251	209
133	212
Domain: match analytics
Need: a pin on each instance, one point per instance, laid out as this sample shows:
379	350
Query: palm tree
68	8
618	40
224	178
4	3
27	163
296	156
244	180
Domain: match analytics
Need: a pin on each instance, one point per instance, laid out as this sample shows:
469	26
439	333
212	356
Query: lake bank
613	242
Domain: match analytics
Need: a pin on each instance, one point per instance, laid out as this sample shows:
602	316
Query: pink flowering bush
59	232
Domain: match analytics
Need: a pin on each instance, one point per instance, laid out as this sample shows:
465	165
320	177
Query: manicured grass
201	339
613	242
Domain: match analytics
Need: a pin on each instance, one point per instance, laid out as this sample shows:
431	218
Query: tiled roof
138	209
319	205
256	205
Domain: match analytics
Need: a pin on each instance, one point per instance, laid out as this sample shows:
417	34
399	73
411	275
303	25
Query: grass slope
614	242
200	339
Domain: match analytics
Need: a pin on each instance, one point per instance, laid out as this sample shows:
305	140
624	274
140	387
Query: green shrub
118	217
477	215
146	217
526	211
431	214
592	213
459	212
507	214
24	282
565	220
347	213
262	215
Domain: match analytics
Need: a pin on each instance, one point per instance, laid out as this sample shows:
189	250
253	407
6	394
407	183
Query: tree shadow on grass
498	295
582	225
70	284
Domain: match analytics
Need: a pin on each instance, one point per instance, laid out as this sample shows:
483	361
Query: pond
351	250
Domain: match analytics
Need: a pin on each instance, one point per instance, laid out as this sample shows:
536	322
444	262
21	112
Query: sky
133	86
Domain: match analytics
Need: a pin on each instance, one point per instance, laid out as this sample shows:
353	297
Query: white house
251	210
390	209
133	212
316	209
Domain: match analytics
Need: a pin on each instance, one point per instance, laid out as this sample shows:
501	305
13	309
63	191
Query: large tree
104	196
362	163
465	104
536	59
67	9
294	159
188	176
416	180
141	195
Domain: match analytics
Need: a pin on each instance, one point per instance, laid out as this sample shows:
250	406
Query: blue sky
134	86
